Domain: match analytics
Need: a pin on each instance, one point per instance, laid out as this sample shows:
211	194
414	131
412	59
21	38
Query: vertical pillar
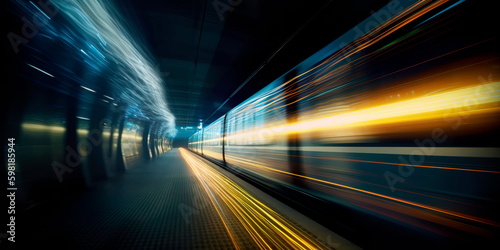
224	128
293	139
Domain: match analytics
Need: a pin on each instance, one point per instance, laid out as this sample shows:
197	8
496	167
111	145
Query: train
386	135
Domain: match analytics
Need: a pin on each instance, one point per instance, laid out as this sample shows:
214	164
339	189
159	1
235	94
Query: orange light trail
267	228
399	164
444	211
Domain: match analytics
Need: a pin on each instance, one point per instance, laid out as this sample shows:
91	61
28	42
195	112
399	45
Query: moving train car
385	135
68	114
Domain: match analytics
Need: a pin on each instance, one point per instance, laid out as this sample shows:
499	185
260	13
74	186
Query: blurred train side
397	125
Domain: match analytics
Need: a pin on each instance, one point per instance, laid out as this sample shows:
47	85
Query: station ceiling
205	49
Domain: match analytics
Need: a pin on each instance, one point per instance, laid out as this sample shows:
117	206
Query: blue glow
140	84
96	50
40	10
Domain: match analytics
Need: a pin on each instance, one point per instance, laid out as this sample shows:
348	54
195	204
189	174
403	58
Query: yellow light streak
42	127
417	109
266	227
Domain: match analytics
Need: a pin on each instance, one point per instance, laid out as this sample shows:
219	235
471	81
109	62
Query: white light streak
40	10
83	118
135	75
109	97
91	90
40	70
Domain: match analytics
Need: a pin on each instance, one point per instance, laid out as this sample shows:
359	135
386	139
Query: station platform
176	201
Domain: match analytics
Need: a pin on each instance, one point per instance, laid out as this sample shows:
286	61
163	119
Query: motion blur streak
396	121
402	164
42	128
267	228
388	197
419	109
137	77
40	70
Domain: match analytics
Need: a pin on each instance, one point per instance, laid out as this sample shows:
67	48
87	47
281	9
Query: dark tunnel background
376	119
